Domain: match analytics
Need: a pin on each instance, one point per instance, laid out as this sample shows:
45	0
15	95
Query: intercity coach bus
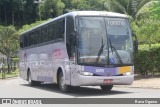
81	48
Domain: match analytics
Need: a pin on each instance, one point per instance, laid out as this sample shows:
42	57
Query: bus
80	48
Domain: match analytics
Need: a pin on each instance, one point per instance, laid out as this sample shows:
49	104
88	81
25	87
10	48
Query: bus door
70	46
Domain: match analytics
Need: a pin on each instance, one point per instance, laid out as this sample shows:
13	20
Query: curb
9	77
121	86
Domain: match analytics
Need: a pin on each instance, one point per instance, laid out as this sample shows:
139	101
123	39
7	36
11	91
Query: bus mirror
136	45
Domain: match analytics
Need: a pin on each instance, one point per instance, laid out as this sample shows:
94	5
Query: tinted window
69	31
22	41
69	28
46	33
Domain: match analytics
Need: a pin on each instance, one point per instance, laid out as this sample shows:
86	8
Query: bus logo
100	70
6	101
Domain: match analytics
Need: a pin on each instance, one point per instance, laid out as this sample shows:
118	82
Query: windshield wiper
100	51
114	49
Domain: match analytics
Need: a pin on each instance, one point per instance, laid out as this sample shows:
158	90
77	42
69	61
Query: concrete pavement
139	82
147	82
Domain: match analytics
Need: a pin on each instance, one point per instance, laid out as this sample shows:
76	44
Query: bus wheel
106	88
31	82
63	87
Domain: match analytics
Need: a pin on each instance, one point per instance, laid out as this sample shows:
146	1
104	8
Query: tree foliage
17	12
132	8
52	8
9	40
21	12
9	43
147	26
29	26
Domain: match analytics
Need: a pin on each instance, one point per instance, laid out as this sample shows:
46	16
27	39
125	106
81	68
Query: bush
147	60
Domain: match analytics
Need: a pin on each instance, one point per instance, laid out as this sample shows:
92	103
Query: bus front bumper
99	80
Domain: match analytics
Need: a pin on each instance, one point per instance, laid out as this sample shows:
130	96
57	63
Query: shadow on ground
78	91
146	77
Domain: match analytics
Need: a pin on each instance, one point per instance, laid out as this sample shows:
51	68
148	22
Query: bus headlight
84	73
127	74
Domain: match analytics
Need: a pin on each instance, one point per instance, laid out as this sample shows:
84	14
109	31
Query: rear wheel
63	87
106	88
31	82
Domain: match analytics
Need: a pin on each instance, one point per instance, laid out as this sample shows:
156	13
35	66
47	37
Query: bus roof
97	13
81	13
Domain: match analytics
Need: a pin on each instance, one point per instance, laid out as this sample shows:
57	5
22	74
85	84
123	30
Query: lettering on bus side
57	53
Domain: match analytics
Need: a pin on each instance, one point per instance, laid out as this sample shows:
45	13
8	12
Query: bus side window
36	37
32	38
26	42
61	28
39	36
22	41
56	30
29	39
44	34
53	31
69	31
50	32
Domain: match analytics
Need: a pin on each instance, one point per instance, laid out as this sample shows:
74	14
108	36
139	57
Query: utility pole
39	2
134	6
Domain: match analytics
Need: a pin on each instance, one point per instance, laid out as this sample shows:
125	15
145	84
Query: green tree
130	7
67	3
52	8
9	43
147	26
80	5
10	11
85	4
155	11
27	26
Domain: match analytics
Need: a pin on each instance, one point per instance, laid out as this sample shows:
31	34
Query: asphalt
139	82
145	82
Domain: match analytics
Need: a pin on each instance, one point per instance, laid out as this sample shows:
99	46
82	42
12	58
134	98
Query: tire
106	88
31	82
63	87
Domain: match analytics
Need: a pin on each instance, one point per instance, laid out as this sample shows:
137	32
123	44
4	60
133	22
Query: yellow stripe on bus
125	69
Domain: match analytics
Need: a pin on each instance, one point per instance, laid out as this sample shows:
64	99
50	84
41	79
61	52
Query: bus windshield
104	41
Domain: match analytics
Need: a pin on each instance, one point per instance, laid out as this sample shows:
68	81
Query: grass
146	46
11	74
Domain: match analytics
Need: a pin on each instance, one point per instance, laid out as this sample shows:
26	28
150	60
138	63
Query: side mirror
133	35
135	43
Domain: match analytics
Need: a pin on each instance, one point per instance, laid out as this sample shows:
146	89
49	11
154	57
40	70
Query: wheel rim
62	84
29	78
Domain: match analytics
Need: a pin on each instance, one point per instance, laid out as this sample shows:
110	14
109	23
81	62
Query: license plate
108	81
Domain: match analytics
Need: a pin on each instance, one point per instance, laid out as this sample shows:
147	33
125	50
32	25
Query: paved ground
18	88
139	82
150	82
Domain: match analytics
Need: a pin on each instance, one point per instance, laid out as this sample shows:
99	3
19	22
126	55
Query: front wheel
31	82
63	87
106	88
